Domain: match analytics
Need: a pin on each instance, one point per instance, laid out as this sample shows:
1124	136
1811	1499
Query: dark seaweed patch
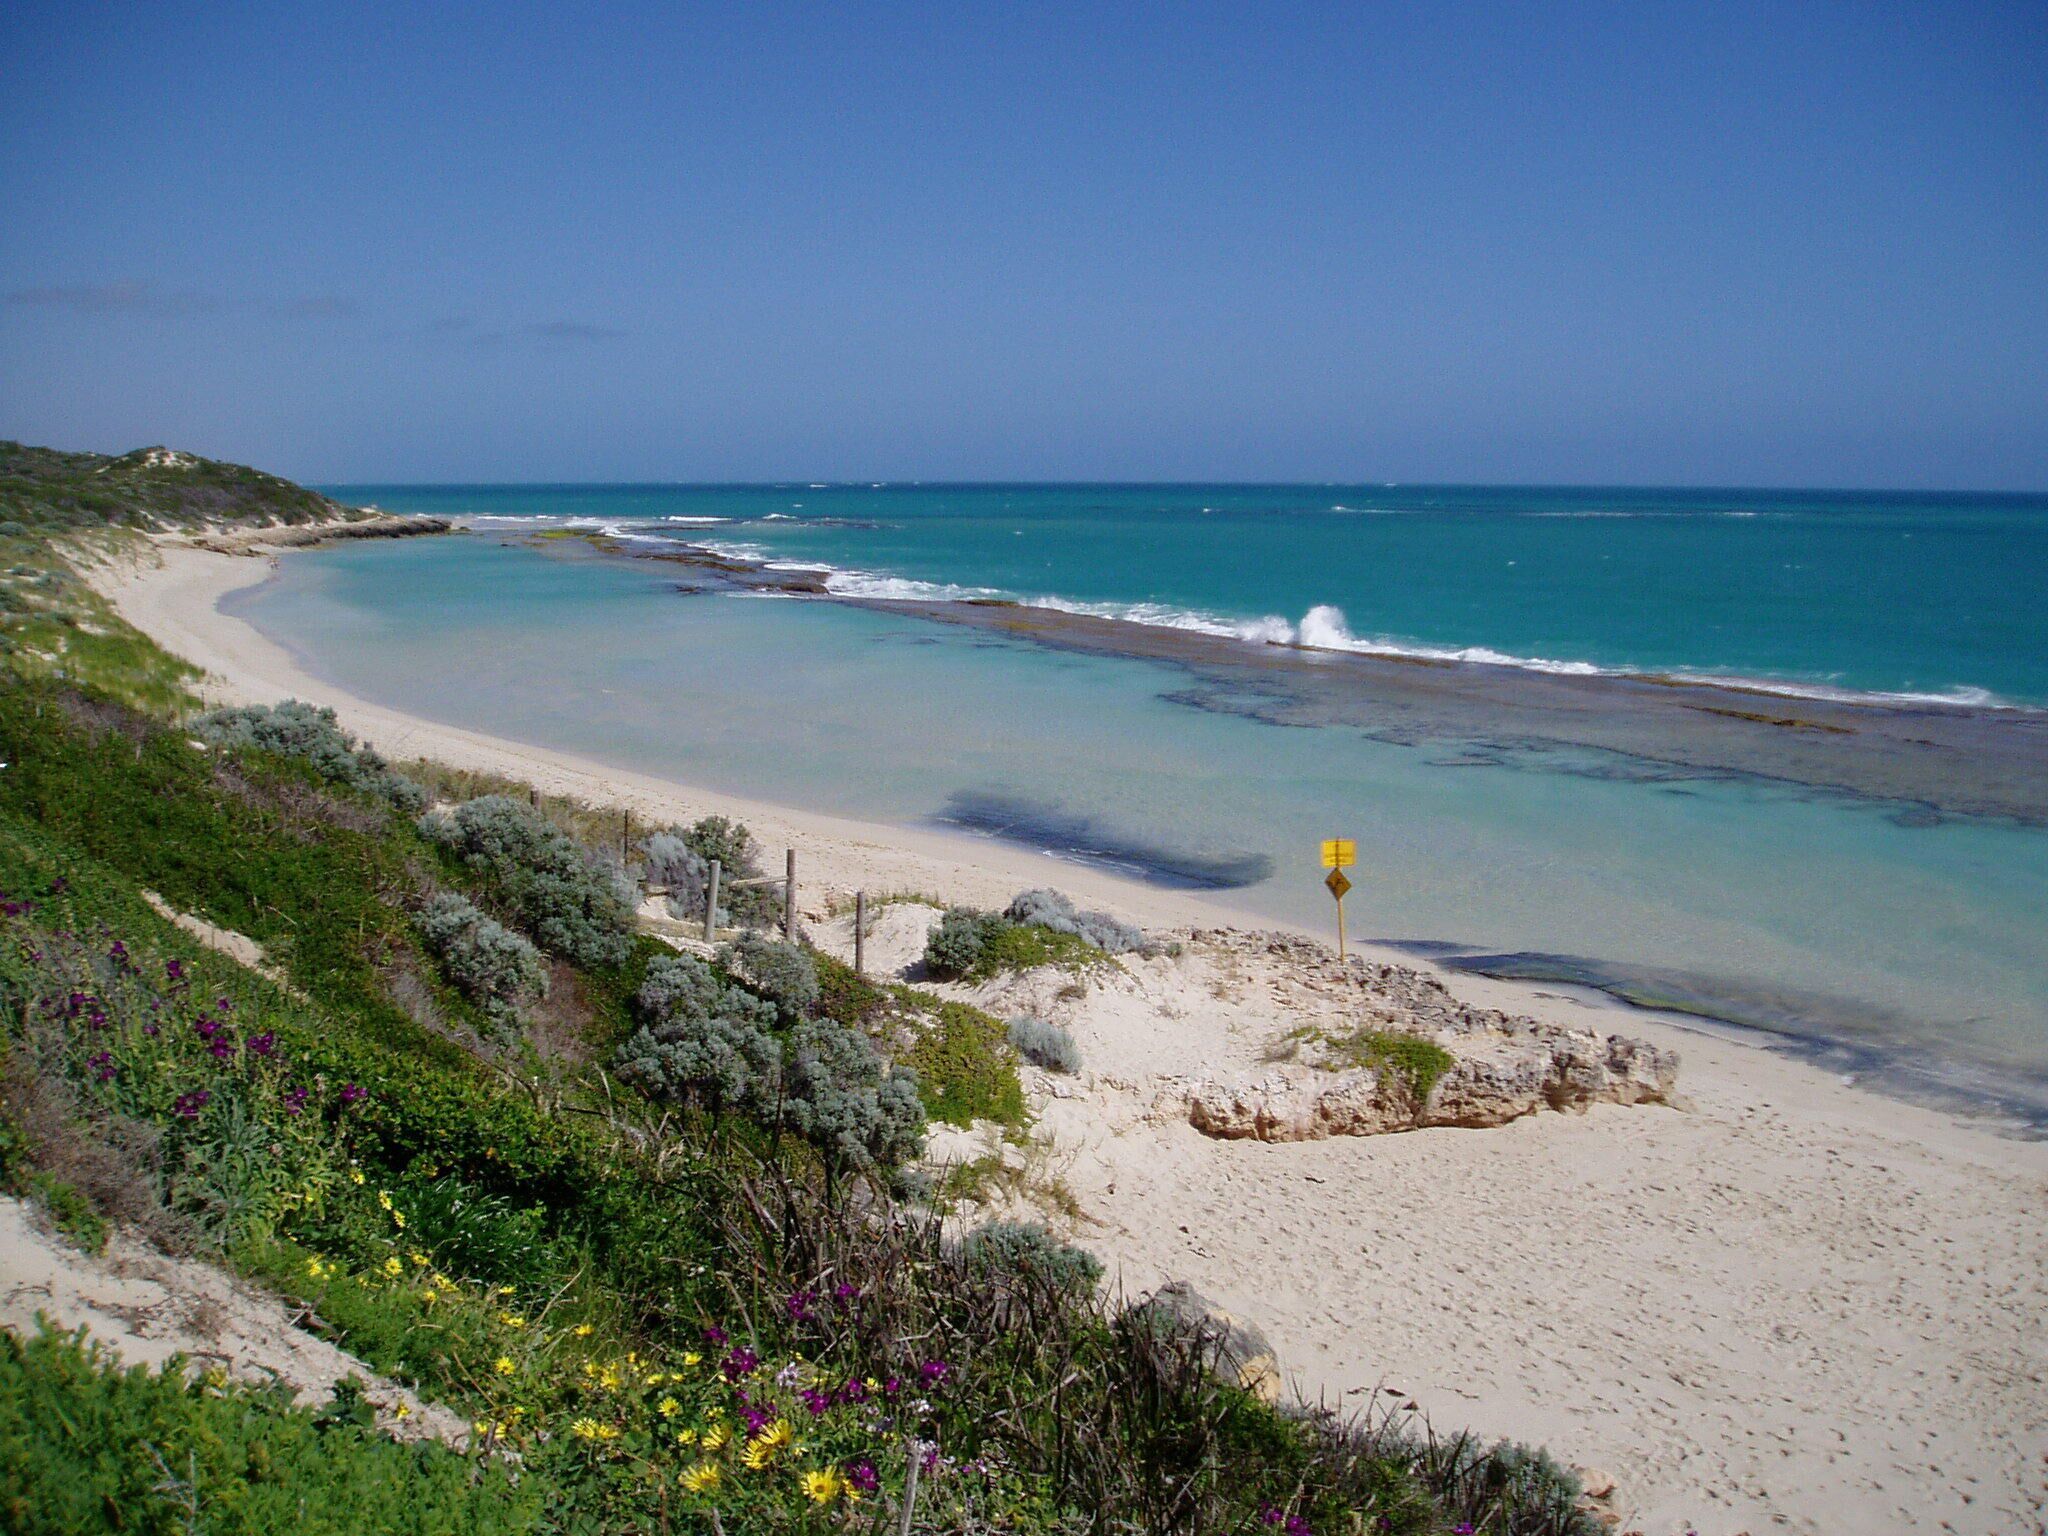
1044	825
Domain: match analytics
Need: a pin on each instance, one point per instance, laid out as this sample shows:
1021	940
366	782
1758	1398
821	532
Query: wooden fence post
860	931
711	906
789	901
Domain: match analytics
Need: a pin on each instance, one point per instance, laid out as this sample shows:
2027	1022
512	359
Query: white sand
148	1309
1790	1306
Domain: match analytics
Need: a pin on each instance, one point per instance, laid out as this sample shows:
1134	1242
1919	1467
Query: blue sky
1719	244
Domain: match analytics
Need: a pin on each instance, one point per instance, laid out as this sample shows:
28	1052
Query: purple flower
261	1045
741	1362
151	1030
862	1475
189	1104
932	1372
1297	1525
223	1005
221	1050
800	1304
351	1094
102	1065
294	1100
175	969
815	1400
756	1419
117	952
715	1336
206	1028
855	1391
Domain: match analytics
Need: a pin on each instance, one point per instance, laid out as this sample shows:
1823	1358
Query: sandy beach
1785	1304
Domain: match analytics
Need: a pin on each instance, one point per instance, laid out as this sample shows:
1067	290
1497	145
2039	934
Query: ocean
1775	759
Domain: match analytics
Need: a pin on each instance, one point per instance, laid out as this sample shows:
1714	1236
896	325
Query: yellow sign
1339	852
1337	882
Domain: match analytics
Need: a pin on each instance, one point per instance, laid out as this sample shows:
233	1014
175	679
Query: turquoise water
1888	593
1915	954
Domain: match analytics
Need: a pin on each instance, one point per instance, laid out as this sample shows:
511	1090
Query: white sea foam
897	589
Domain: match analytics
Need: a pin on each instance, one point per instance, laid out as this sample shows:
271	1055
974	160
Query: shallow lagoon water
1824	919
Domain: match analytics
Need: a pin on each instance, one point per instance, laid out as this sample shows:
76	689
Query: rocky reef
1461	1066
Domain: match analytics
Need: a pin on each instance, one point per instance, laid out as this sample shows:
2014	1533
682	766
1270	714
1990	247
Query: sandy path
1792	1306
148	1309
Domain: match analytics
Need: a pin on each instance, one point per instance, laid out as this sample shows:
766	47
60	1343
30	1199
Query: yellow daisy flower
511	1320
668	1407
583	1330
392	1267
686	1437
701	1478
355	1175
402	1411
822	1486
384	1198
716	1436
585	1429
693	1359
503	1366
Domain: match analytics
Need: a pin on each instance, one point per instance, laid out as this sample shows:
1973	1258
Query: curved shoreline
1747	1310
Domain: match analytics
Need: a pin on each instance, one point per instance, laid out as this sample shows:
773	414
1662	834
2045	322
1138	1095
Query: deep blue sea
1909	950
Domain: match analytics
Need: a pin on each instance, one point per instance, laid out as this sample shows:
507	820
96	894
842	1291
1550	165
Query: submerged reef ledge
1923	761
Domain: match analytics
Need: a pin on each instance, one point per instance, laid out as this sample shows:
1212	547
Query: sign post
1339	853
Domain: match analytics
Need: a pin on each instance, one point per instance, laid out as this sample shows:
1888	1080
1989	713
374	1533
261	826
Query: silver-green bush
1045	1045
489	964
572	901
304	731
779	971
1025	1251
838	1096
1045	908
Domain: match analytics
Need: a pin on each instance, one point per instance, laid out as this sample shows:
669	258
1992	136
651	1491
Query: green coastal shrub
295	729
1025	1252
965	1065
87	1447
1045	1045
777	970
570	900
488	963
955	946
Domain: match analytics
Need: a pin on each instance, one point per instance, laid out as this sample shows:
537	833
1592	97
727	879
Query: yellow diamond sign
1339	852
1338	883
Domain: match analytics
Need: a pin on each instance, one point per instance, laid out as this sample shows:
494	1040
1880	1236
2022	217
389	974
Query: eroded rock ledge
1502	1066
